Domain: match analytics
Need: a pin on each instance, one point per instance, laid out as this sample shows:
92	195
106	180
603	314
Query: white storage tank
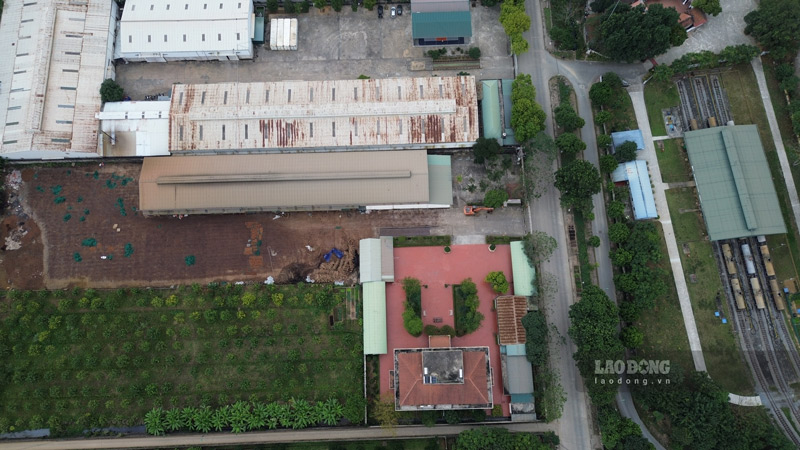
287	33
273	34
293	35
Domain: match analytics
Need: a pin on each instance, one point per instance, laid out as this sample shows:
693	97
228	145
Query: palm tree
154	421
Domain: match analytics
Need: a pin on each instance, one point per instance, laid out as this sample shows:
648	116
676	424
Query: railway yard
703	101
758	304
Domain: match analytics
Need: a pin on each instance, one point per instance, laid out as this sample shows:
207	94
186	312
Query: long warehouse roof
150	26
55	55
394	113
734	182
281	182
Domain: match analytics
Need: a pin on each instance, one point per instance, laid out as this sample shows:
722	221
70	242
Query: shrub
369	4
601	118
337	5
110	91
465	308
498	282
444	330
474	53
289	7
567	118
608	163
495	198
594	241
272	6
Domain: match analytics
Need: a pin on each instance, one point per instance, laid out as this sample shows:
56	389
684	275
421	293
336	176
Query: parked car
399	10
394	12
380	11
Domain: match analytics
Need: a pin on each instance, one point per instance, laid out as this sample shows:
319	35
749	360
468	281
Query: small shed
523	274
374	294
620	137
636	175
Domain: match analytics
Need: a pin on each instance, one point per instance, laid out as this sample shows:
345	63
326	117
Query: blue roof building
636	175
620	137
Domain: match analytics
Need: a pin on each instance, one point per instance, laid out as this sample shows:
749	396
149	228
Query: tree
498	282
337	5
289	7
513	18
319	4
593	327
527	116
567	118
602	117
272	6
497	439
601	94
485	150
631	34
593	241
552	398
154	421
474	53
110	91
608	163
536	338
615	210
618	232
305	6
369	4
663	73
540	152
626	151
519	44
631	337
495	198
604	141
383	412
776	26
739	54
578	181
538	247
570	144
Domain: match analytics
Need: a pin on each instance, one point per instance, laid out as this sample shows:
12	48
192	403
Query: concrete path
261	437
776	138
754	400
649	154
627	409
661	138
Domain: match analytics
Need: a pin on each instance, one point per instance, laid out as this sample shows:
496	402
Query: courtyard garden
79	359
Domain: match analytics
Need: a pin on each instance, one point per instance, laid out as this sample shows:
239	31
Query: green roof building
524	275
734	183
374	294
496	111
440	22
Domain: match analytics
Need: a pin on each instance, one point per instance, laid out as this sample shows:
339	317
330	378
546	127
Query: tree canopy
708	6
578	181
633	34
776	26
570	144
485	150
501	439
515	22
538	247
626	151
110	91
495	198
567	118
535	337
527	116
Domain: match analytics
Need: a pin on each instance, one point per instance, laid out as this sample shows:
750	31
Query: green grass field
672	161
78	359
723	360
658	96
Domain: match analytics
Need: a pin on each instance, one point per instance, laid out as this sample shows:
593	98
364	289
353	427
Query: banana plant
173	420
154	422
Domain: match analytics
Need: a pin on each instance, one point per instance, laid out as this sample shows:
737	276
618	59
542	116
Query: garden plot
78	359
75	205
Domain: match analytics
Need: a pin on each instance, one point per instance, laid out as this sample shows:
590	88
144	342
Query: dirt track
73	204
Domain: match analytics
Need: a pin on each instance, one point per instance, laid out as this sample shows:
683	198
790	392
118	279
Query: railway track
705	105
687	103
763	342
723	114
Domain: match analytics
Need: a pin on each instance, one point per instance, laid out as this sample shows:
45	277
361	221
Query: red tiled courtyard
439	271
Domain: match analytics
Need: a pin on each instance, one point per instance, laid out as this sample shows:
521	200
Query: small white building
176	30
55	55
135	128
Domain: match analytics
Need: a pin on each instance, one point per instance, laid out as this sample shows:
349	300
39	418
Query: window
421	92
238	37
219	36
223	132
167	6
148	38
133	8
267	100
289	98
311	94
205	5
184	38
247	98
180	99
203	98
333	94
245	131
441	91
220	6
201	132
240	5
311	129
355	93
151	7
399	92
180	133
378	122
186	6
333	129
356	128
165	38
203	37
399	126
225	98
130	39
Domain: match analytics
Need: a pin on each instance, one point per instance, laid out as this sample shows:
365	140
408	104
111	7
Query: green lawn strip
623	116
672	161
548	20
583	254
421	241
657	96
723	360
664	334
108	361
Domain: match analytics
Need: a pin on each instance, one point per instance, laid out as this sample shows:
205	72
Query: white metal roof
158	26
394	113
55	55
137	128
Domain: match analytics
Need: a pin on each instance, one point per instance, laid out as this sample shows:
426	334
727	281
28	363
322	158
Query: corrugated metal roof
387	257
150	27
620	137
272	182
432	25
374	318
140	128
490	110
524	275
56	54
394	113
369	260
519	375
635	173
506	89
734	182
440	180
424	6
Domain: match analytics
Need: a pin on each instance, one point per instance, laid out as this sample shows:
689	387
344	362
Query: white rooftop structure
55	55
174	30
372	114
135	128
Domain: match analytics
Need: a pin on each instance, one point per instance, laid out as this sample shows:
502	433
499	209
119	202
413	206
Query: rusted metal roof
394	113
55	55
510	310
281	182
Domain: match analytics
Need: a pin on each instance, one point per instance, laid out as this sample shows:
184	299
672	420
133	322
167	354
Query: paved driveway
331	45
